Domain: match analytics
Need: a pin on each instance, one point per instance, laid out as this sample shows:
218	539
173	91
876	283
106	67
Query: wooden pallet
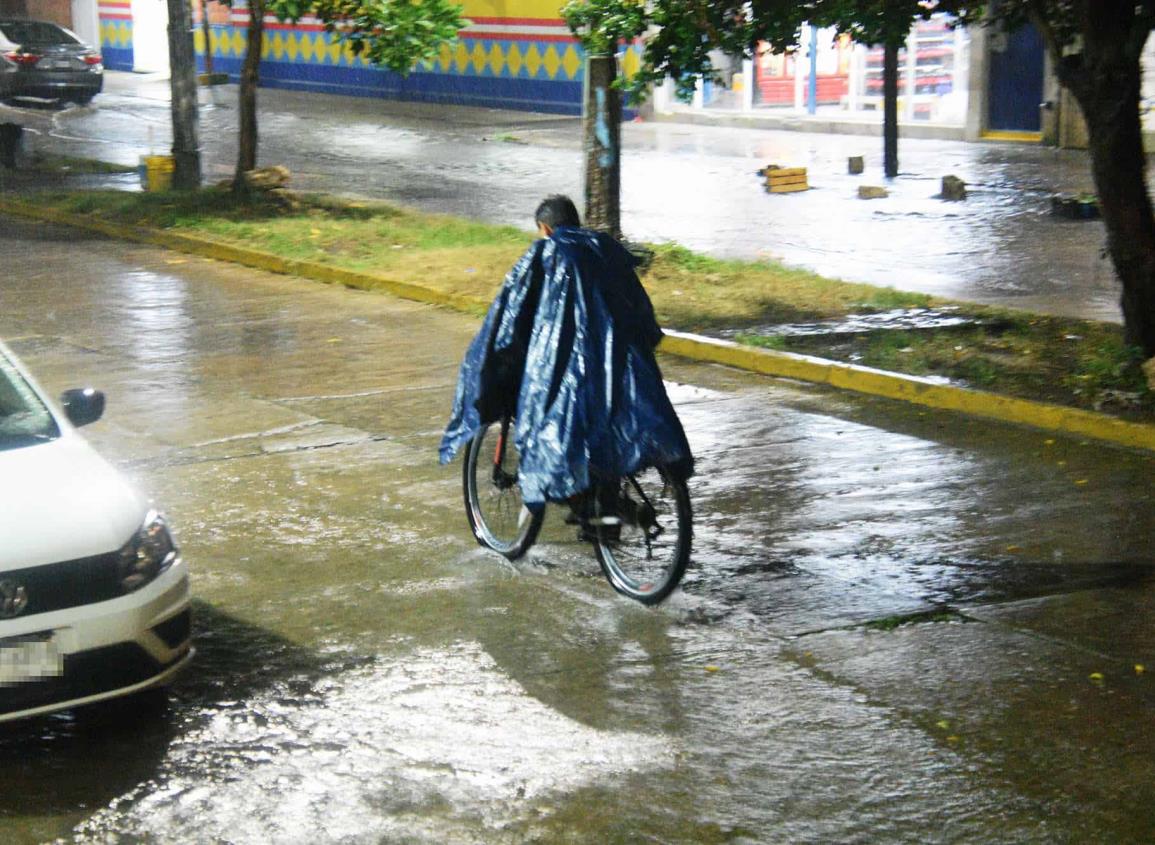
786	180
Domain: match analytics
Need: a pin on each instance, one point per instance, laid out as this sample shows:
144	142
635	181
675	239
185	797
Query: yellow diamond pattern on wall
560	61
307	52
571	62
631	62
496	59
478	58
513	59
116	33
551	62
533	61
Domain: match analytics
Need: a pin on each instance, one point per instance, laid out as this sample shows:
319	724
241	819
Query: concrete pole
854	82
799	98
747	85
812	103
911	75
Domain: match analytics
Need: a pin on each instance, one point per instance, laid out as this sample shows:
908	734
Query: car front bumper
103	650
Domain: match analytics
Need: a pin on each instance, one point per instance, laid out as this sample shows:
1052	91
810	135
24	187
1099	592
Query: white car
94	595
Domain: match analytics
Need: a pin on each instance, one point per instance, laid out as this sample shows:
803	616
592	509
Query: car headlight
148	553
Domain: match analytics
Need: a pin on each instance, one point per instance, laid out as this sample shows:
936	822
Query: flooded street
1001	246
898	625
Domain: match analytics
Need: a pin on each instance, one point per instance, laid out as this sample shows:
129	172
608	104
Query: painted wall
513	54
116	33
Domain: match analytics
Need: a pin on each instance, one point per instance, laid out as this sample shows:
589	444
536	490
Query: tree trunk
183	83
1108	88
890	110
247	96
602	119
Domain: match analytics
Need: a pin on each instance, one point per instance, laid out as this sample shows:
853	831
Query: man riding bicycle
567	348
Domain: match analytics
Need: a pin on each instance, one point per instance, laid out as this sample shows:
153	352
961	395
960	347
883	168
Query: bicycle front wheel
645	556
497	515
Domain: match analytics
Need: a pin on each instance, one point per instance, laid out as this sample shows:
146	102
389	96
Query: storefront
830	76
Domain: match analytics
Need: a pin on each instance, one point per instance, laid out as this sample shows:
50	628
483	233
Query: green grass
890	623
52	163
1072	362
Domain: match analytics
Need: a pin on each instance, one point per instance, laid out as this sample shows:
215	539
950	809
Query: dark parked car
42	60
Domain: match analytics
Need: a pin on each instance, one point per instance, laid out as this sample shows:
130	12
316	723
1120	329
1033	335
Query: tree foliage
681	35
395	34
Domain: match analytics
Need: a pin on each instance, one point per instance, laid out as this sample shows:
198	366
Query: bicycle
643	547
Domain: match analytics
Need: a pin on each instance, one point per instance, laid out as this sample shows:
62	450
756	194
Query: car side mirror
82	405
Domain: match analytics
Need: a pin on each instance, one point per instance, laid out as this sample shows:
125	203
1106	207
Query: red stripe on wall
517	21
513	36
240	19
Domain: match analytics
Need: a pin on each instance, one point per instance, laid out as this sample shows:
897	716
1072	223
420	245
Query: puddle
901	319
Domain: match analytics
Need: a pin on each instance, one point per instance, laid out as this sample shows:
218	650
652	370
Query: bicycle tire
497	515
638	564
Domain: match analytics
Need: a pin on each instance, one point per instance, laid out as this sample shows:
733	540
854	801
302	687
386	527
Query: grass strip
1076	363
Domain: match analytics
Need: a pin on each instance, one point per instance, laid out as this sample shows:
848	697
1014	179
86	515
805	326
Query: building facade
513	54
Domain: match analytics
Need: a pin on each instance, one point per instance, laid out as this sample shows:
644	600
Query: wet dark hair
557	210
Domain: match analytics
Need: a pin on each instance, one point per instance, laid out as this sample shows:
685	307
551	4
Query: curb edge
911	389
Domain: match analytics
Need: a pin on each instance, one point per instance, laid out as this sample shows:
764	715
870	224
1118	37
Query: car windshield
35	32
24	421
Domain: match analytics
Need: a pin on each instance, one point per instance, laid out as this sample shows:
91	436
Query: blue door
1015	88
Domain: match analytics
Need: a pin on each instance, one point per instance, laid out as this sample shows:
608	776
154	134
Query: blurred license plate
29	659
54	64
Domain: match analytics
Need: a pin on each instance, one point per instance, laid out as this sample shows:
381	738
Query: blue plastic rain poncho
567	347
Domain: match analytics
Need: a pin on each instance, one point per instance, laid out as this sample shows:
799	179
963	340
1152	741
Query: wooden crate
786	180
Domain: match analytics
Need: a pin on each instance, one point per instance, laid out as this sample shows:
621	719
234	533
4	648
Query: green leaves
601	25
680	35
396	34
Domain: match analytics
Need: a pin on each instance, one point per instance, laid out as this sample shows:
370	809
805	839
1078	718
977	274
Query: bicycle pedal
604	520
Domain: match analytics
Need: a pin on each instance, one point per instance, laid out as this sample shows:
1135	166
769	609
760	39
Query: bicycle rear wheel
497	516
645	557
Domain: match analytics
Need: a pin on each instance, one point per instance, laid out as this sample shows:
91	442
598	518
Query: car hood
61	501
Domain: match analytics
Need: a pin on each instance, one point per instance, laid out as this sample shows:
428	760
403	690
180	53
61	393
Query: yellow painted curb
912	389
1020	137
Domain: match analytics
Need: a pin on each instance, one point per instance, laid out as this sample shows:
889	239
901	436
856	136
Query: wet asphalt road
690	184
367	674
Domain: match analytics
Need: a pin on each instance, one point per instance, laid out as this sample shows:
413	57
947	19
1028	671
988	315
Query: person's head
554	211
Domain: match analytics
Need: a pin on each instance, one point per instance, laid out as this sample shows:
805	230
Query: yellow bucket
156	173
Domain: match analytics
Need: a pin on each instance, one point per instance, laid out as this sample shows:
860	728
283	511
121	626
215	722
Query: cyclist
567	349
